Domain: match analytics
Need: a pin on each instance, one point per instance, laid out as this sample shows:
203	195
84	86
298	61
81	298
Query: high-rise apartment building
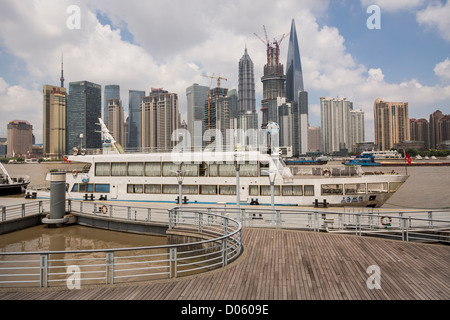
420	131
54	124
84	107
335	124
159	119
227	119
112	91
357	129
314	139
439	128
391	123
19	138
296	95
116	120
134	119
196	96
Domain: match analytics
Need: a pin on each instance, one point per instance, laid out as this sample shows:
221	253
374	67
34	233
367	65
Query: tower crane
268	44
218	79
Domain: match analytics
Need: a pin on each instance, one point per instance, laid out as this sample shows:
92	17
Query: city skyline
341	56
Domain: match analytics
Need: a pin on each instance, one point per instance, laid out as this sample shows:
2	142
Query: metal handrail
224	247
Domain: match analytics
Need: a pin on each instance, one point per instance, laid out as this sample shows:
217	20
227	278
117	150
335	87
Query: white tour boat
210	177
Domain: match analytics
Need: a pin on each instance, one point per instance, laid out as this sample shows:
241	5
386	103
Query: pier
296	257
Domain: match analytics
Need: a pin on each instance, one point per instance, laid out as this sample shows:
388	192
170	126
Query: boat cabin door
114	191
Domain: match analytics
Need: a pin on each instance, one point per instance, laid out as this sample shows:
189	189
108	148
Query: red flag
65	159
407	157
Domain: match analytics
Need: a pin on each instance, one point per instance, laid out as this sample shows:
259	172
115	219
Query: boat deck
291	265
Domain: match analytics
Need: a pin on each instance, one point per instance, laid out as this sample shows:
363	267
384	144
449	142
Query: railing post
404	223
430	219
278	218
170	219
316	221
95	209
69	205
110	265
173	262
149	214
23	210
128	213
242	216
400	214
43	272
200	222
224	253
3	213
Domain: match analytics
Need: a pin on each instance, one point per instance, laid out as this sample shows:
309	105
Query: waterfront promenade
291	265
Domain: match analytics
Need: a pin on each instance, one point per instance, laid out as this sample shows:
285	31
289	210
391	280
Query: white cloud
442	69
394	6
175	43
436	15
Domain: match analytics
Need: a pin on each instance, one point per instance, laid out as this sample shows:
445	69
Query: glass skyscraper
84	107
296	95
134	126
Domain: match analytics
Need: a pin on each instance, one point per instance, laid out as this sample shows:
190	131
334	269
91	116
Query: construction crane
268	45
218	79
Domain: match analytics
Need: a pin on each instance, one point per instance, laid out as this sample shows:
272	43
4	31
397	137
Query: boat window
170	188
253	190
169	169
264	169
205	189
189	189
213	169
103	169
331	189
190	169
75	187
292	190
227	190
118	169
394	186
248	170
309	190
377	187
203	169
101	187
152	169
86	187
355	188
265	190
152	188
135	169
227	170
135	188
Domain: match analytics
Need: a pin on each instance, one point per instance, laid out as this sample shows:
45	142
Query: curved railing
74	268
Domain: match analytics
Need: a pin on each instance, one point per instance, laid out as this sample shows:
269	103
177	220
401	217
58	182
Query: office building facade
112	91
116	120
19	139
196	96
84	107
134	119
54	121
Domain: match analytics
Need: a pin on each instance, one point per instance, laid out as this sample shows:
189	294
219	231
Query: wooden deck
291	265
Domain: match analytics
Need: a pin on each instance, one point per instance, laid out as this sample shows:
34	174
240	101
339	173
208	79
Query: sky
170	44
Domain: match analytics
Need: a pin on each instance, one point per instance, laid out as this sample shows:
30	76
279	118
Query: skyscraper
159	119
296	94
196	96
273	84
116	120
335	124
134	124
247	118
420	131
210	113
439	128
54	124
19	137
112	91
84	107
391	123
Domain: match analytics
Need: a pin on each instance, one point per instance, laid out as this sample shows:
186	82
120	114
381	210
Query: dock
281	264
